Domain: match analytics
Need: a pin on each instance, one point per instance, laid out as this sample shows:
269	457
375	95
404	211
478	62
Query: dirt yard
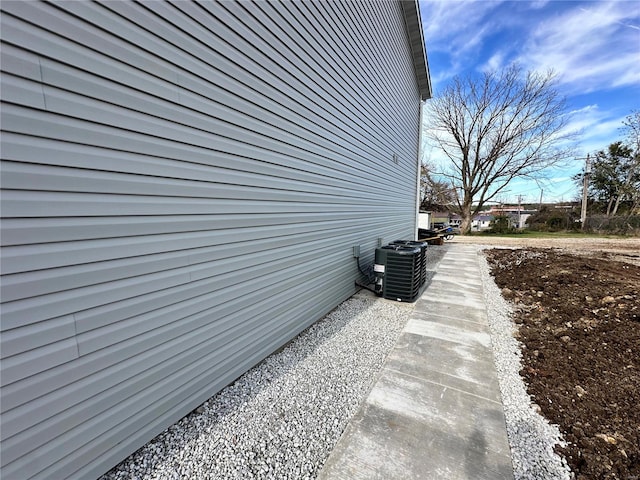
620	249
577	304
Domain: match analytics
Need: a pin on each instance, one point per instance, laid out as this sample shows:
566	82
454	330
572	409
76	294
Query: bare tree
434	194
495	128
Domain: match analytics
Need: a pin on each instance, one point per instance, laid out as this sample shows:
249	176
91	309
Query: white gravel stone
282	418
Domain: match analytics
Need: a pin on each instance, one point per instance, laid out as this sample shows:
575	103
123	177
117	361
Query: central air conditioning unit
400	270
423	256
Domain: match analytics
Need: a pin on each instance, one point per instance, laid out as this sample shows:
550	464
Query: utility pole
519	211
540	203
585	188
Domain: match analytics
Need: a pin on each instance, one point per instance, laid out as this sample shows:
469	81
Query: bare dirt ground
619	249
577	304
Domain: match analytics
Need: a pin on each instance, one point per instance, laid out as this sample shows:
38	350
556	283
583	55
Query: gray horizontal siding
182	184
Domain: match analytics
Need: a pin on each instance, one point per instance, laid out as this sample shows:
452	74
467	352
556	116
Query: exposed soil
579	324
621	249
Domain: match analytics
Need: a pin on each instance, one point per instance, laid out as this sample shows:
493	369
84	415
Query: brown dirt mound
579	320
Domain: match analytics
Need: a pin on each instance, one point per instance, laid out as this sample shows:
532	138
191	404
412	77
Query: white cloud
592	48
497	62
559	179
592	45
458	29
539	4
452	24
599	128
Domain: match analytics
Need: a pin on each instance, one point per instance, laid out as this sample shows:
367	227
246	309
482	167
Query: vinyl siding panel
182	185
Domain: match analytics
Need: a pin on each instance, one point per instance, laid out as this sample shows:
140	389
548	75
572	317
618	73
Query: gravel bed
282	418
531	436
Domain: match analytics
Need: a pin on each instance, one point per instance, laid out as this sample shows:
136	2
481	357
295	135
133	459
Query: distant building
517	217
440	217
481	222
517	214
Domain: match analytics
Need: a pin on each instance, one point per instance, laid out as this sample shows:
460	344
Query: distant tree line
550	219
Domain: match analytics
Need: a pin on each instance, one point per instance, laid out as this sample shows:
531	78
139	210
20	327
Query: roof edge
413	22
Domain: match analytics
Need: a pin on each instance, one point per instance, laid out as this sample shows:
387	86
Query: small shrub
552	220
500	225
618	225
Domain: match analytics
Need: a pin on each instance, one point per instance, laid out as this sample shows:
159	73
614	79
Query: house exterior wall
182	187
482	222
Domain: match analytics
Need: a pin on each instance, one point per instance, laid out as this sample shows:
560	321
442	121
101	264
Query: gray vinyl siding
182	187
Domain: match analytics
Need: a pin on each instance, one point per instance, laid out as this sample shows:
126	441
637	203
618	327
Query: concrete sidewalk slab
434	411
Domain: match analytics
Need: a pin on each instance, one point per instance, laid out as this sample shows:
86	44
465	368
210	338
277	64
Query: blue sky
593	46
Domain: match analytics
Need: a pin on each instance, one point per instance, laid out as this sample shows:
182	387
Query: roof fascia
413	22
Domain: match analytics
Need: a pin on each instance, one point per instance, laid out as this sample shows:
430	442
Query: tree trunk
467	219
624	189
615	207
609	205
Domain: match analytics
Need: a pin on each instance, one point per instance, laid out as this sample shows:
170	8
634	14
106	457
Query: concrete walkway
435	410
